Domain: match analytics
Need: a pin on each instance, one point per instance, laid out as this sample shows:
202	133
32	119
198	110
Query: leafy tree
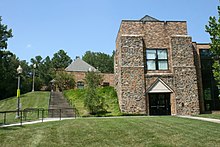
213	28
64	80
102	61
47	70
93	102
26	77
8	64
61	60
8	75
39	81
4	35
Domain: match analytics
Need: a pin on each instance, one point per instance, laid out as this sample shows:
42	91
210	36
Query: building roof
80	65
148	18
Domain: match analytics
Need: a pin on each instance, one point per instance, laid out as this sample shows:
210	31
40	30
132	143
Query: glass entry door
159	104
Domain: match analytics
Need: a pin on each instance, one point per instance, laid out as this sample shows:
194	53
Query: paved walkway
37	121
201	118
58	119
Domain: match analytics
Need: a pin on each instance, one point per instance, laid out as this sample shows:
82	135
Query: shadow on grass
11	128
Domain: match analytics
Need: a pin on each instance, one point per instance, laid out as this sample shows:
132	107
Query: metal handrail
23	113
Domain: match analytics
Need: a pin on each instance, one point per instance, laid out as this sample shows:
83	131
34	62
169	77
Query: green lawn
124	131
35	99
29	100
76	97
216	116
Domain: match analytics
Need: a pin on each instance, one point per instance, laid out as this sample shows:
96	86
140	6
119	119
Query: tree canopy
5	34
61	60
213	28
102	61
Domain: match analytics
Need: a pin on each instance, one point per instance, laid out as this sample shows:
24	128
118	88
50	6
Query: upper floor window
157	59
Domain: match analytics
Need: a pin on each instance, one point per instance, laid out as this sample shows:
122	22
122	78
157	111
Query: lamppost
19	70
34	66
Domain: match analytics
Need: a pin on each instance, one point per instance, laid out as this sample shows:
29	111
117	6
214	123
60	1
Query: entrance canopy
159	87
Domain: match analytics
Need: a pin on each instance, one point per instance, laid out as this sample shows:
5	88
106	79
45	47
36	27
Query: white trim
159	86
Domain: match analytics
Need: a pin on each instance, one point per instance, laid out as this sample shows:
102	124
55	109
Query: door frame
167	107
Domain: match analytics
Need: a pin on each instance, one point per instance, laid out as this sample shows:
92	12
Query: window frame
157	60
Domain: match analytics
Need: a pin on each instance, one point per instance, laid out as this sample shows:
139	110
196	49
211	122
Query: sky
43	27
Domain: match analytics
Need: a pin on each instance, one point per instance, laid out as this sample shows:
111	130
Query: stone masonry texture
132	79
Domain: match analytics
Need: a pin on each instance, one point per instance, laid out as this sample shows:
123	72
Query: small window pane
151	65
151	54
162	54
162	65
80	85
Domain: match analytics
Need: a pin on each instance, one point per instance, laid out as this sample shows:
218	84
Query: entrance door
159	104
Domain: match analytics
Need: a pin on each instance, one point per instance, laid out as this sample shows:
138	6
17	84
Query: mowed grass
76	98
215	116
35	99
124	131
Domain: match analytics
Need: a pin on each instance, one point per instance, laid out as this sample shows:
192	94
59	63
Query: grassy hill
124	131
29	100
35	99
76	98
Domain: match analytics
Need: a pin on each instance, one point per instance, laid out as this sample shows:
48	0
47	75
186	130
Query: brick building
78	69
160	71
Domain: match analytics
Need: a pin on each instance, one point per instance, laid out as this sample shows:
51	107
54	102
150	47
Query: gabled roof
80	65
148	18
159	87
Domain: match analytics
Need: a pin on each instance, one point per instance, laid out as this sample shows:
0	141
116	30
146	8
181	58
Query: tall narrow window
157	59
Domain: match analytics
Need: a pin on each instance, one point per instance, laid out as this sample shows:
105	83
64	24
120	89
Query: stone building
78	69
158	69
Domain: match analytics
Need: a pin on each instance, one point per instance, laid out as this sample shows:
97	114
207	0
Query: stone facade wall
166	78
133	80
130	75
185	76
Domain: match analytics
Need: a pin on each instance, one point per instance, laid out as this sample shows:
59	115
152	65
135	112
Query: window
105	84
80	85
157	59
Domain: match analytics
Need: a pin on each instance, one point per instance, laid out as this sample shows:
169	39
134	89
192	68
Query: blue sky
43	27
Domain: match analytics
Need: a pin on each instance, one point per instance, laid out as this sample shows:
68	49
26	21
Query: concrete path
58	119
201	118
37	121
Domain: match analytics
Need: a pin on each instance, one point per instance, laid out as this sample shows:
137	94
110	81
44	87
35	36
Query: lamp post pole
19	70
34	67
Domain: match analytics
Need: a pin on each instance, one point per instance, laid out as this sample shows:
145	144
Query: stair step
59	102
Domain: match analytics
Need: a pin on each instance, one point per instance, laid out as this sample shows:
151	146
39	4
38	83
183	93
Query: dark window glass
210	89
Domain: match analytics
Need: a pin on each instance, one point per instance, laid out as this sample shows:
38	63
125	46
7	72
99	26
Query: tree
93	102
48	72
64	80
8	64
39	81
102	61
61	60
4	35
8	75
213	28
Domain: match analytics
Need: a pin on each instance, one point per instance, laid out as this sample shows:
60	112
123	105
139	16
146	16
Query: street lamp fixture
19	70
34	66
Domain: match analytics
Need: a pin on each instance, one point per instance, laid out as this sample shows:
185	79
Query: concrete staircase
59	104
